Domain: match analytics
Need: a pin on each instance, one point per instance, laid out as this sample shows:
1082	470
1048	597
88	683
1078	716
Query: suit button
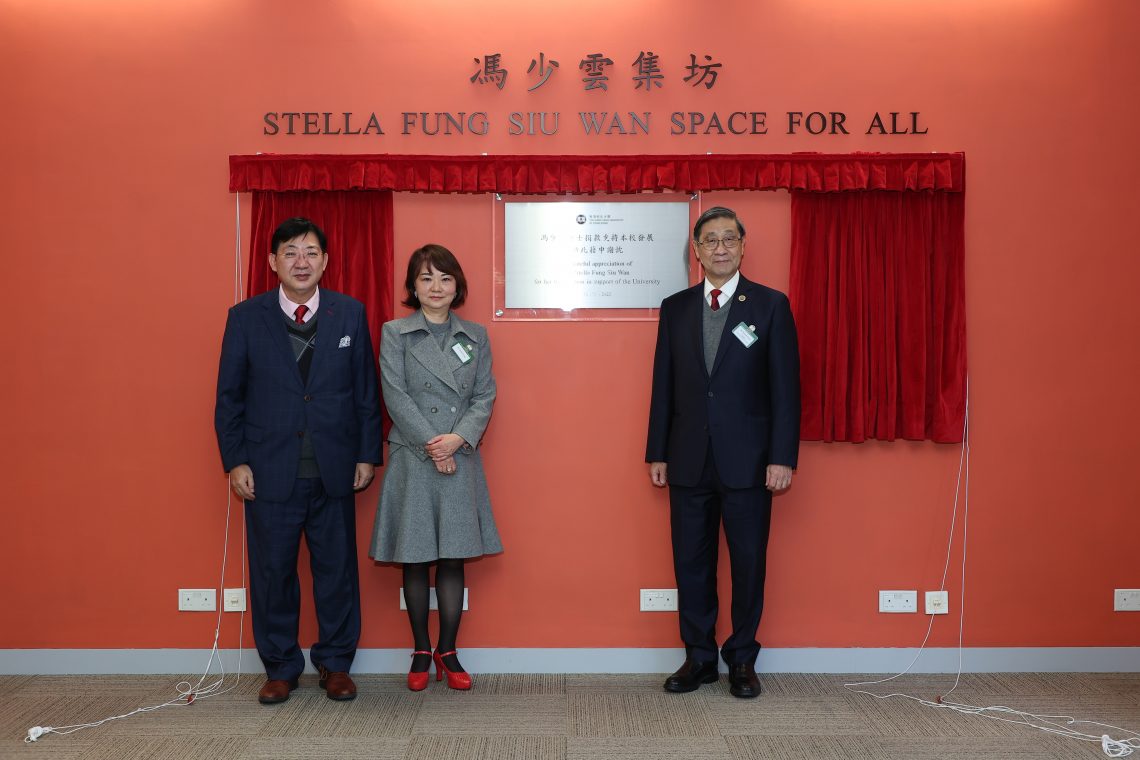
434	410
710	394
308	397
300	433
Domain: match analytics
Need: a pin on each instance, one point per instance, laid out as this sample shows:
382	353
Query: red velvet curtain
877	256
817	172
358	225
878	293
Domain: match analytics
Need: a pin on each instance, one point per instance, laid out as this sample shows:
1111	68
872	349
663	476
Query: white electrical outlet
233	599
937	603
898	601
197	600
433	601
1126	600
658	600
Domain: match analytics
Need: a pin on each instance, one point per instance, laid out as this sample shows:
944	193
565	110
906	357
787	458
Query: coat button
710	394
308	397
434	410
453	408
464	385
427	385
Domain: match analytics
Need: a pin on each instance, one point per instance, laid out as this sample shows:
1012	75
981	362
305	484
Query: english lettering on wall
629	123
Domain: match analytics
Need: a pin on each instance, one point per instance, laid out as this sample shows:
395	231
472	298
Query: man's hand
658	474
779	477
443	446
365	471
241	480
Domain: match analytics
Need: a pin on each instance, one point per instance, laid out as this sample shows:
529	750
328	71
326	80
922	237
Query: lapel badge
345	342
742	297
752	328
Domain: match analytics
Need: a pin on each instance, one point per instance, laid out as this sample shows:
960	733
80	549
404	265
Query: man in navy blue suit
298	424
724	425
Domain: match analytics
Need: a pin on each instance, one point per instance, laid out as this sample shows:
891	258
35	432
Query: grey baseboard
632	660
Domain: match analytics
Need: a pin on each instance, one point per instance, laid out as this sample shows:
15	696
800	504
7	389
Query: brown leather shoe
275	690
337	685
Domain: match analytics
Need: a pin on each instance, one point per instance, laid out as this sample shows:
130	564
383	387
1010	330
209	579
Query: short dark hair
443	260
293	228
716	212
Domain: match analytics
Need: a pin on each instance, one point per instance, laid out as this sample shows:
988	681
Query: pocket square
345	342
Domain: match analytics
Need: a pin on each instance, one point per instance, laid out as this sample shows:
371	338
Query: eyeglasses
730	243
291	254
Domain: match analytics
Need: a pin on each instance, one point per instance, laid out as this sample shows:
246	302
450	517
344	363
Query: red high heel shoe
458	680
418	681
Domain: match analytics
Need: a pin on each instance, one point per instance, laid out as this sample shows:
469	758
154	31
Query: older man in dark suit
298	424
723	435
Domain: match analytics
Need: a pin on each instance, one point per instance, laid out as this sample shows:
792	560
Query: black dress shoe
691	675
742	681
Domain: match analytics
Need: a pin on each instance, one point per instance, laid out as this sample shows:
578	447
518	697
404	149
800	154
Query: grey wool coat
423	514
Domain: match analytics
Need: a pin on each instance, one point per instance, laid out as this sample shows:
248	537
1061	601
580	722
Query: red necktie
299	314
715	303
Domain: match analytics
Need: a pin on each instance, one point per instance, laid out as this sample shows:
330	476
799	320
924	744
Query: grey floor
535	717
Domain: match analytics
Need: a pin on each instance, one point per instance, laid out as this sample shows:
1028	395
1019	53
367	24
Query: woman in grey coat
435	371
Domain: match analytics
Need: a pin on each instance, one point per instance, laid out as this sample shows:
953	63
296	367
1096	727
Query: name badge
463	355
744	334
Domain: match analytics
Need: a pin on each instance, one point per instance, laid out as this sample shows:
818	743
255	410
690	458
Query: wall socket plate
433	601
898	601
197	600
658	600
233	599
1126	600
937	602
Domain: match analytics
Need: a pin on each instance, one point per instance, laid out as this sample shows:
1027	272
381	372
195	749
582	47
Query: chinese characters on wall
594	69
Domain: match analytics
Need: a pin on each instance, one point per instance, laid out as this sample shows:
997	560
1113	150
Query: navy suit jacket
747	408
263	407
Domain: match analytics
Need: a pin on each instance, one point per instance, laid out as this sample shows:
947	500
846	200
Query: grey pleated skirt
425	515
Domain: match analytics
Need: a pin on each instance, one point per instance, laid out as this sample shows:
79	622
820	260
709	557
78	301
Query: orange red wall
120	237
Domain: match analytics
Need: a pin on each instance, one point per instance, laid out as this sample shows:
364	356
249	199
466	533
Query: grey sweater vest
712	325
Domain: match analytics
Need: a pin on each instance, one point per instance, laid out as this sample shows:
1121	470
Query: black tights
449	592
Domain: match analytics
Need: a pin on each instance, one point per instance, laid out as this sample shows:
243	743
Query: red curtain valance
813	172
